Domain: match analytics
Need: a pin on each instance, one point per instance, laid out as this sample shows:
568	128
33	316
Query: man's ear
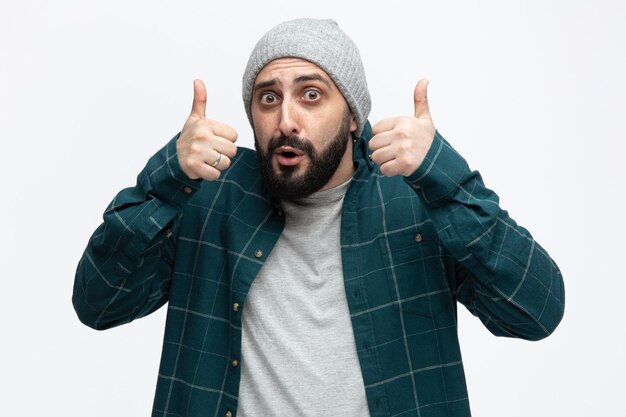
353	124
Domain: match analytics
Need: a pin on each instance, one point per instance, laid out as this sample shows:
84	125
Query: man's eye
268	98
311	95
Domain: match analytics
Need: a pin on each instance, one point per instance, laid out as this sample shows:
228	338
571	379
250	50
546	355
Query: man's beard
286	184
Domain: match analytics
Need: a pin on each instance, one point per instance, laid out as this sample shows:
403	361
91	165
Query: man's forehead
292	69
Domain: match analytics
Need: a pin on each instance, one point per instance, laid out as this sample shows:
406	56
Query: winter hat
323	43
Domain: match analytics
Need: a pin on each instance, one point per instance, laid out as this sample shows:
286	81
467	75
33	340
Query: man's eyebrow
300	79
312	77
265	84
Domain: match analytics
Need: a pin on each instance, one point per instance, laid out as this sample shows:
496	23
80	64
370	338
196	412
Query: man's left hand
399	144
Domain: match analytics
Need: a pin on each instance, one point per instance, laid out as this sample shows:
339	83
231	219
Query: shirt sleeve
503	275
125	270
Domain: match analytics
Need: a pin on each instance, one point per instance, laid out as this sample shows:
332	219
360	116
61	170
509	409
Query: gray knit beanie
321	42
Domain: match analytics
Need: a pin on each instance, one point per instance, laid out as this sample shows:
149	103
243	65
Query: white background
531	93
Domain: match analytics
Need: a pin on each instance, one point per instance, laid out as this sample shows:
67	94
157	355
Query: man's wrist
440	173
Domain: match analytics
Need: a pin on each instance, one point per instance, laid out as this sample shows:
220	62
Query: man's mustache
293	141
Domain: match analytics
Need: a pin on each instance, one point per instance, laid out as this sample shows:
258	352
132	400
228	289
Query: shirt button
168	233
235	363
236	307
228	413
187	190
418	237
258	253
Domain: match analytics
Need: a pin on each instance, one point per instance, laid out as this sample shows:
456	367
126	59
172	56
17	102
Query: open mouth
286	155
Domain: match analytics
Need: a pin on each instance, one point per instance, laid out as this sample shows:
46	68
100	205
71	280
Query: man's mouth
288	156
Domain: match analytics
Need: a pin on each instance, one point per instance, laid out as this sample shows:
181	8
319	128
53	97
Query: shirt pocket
415	271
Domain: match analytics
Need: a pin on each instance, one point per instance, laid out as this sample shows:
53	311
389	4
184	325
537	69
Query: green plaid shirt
411	248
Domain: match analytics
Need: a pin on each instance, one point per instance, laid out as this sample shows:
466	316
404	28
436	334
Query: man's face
302	128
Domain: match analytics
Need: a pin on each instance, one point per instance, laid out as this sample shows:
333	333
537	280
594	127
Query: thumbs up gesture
399	144
204	146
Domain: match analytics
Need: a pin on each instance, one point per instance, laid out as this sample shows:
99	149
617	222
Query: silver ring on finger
217	161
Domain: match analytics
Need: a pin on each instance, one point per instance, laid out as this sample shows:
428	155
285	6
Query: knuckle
225	162
405	146
230	151
213	174
402	158
193	165
378	127
405	161
195	147
405	132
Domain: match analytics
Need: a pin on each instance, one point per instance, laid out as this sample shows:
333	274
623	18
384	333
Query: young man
328	283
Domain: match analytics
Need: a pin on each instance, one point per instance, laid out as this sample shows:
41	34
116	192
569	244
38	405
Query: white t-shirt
298	350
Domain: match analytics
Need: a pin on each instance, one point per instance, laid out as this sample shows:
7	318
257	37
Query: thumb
420	99
198	108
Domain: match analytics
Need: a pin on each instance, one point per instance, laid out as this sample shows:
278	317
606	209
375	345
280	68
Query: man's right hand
205	146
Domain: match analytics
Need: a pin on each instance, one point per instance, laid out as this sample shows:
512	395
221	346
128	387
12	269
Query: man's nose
289	119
